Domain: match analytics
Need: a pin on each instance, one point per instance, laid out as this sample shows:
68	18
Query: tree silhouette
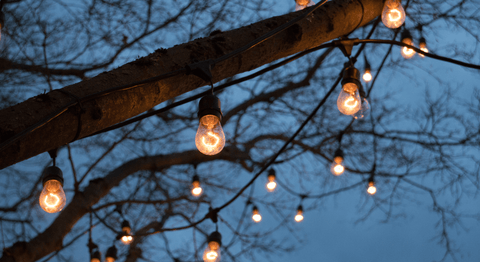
142	172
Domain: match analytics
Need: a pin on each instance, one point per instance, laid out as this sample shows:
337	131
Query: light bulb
348	101
367	76
196	189
109	259
256	217
210	138
126	240
52	199
364	110
407	53
212	251
302	4
371	188
393	14
271	184
299	216
337	167
423	46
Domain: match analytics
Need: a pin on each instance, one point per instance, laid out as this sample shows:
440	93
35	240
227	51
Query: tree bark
334	19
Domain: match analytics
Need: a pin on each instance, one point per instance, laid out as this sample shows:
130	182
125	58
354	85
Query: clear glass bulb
256	217
364	111
302	4
126	240
407	53
299	216
423	47
210	138
337	167
367	76
52	199
212	252
196	189
348	101
371	188
393	14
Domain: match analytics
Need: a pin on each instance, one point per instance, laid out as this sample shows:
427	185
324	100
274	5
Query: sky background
332	229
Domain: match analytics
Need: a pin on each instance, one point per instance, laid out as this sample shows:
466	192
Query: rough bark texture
334	19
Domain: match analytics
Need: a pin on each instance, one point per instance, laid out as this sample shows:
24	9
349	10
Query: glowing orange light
367	76
407	53
339	169
212	252
256	216
52	199
423	47
371	188
197	191
212	255
271	186
337	166
299	216
393	14
110	259
348	101
127	240
210	138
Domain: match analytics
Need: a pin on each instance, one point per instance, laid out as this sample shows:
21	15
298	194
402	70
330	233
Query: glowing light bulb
271	184
302	4
126	238
348	101
210	138
299	216
256	217
393	14
407	53
52	199
423	46
364	110
371	186
212	251
337	167
196	188
367	76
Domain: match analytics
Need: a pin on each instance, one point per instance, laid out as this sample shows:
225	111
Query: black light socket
215	236
96	255
112	252
351	75
271	173
338	153
300	208
210	105
52	172
406	35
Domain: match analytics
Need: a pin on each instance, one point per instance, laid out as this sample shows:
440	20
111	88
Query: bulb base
52	172
352	75
215	237
210	105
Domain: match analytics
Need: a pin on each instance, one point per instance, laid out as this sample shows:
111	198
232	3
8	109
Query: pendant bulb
210	139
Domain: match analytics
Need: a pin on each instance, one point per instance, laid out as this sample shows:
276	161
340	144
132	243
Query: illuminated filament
210	138
211	142
271	184
423	47
407	53
337	166
52	200
394	15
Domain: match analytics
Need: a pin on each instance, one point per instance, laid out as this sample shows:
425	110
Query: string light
212	251
196	188
256	217
337	167
349	101
371	186
299	215
407	53
210	138
52	199
111	255
423	46
367	75
393	14
126	238
271	184
302	4
96	256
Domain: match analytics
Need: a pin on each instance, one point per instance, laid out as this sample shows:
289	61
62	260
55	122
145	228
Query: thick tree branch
334	19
